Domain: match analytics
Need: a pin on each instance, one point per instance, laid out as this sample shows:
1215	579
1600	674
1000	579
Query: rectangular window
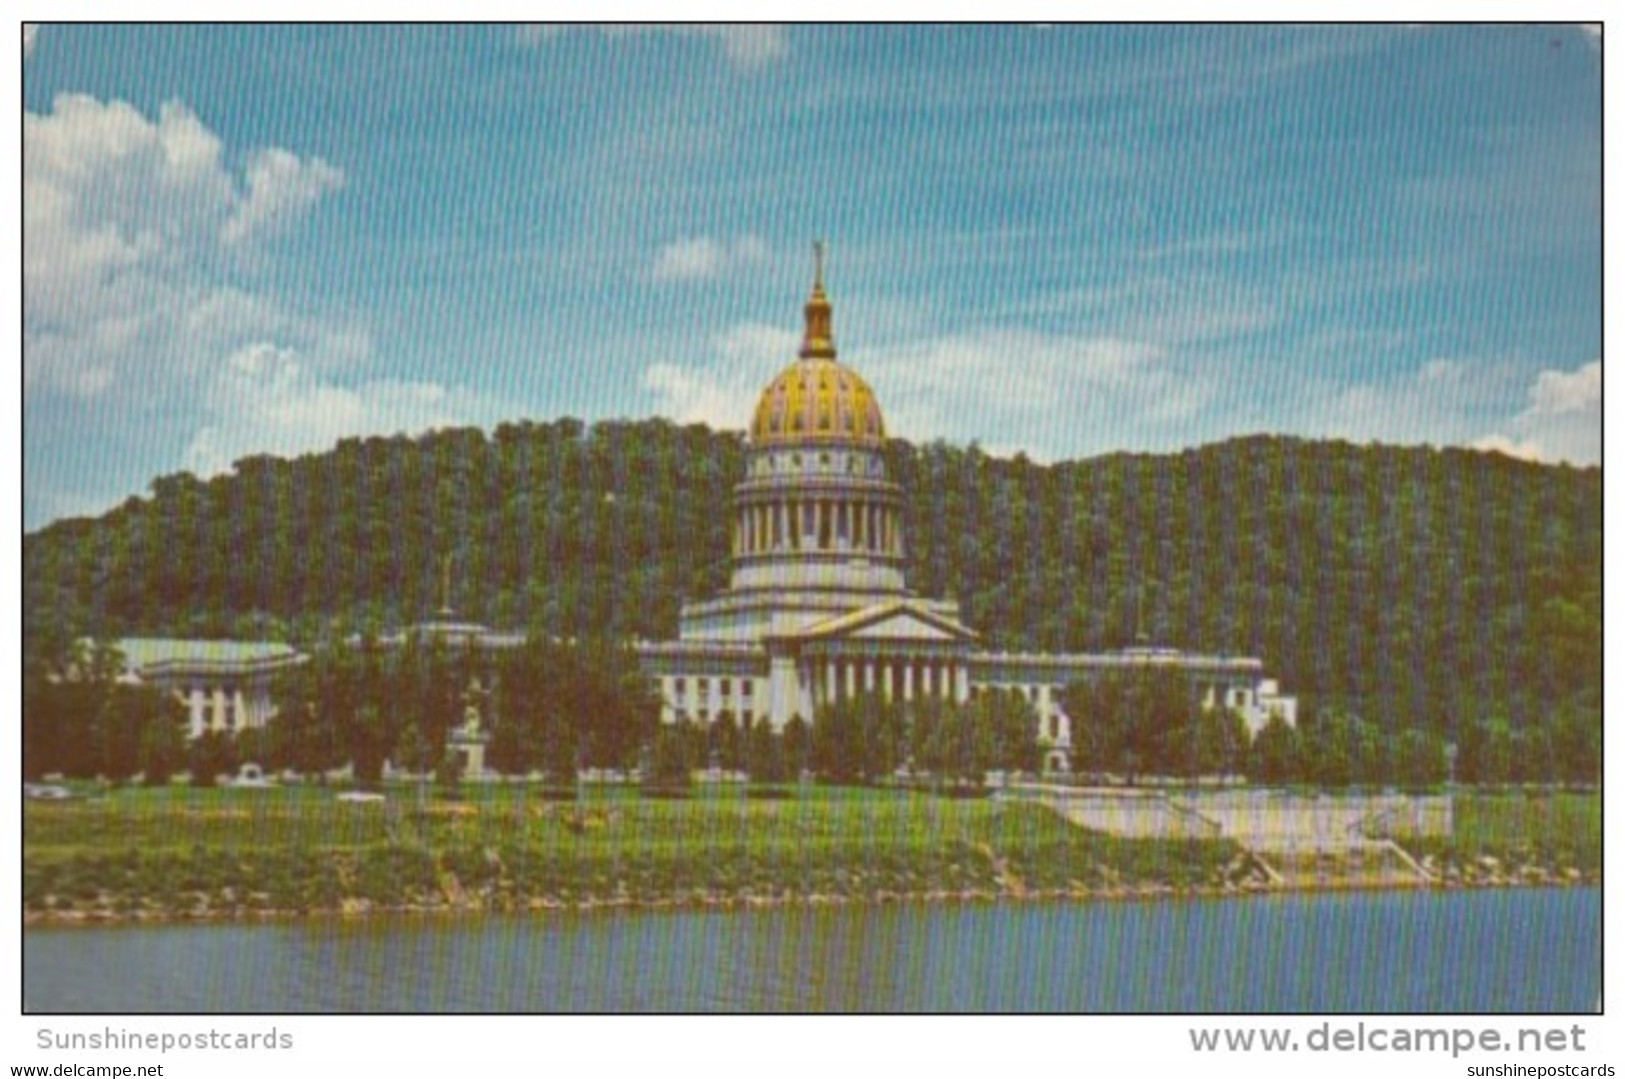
727	686
745	687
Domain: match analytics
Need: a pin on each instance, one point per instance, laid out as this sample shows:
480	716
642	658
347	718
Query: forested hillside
1417	586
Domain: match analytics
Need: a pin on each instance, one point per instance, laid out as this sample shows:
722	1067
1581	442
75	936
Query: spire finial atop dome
819	342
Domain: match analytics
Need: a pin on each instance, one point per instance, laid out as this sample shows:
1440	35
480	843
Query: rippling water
1514	950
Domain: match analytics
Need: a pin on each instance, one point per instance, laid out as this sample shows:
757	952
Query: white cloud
1563	421
1446	401
1557	392
702	258
723	393
30	33
266	400
1524	451
1004	384
1487	405
129	230
748	47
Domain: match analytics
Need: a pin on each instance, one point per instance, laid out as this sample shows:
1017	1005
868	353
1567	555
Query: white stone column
217	722
781	690
908	680
851	678
239	709
829	680
804	690
868	676
197	723
962	689
887	689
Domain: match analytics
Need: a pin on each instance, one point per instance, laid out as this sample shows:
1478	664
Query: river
1506	950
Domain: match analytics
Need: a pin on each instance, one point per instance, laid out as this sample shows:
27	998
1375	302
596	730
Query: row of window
775	423
853	464
703	686
704	716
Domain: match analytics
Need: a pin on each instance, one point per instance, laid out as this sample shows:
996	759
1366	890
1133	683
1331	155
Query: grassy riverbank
181	853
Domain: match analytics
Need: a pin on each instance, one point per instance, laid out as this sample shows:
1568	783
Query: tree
670	766
127	712
884	734
512	750
1488	752
1419	759
1210	742
260	745
1124	721
448	773
963	749
310	744
211	755
1275	756
368	736
836	745
162	752
414	752
1577	743
797	744
727	744
1343	750
1007	725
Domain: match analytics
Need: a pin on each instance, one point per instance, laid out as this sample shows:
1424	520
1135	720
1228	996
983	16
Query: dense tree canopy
1417	588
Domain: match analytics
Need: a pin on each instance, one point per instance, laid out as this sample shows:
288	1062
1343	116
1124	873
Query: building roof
896	617
142	654
817	398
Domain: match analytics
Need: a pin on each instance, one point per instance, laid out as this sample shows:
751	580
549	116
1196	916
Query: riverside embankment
177	854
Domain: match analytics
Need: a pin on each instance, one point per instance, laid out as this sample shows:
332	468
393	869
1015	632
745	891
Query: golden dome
817	399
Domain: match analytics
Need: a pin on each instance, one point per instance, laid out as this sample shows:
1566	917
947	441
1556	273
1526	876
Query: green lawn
504	847
301	848
1553	828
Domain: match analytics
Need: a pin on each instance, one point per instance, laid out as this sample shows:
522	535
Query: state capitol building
817	608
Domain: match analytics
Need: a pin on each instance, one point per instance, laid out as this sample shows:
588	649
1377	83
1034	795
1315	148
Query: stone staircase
1297	841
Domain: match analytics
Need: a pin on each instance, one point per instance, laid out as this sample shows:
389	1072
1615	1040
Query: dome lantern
819	340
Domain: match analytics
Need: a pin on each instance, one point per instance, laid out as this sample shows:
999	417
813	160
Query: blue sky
1065	241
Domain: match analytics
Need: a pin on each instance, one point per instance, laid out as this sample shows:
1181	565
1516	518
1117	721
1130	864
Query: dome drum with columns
818	609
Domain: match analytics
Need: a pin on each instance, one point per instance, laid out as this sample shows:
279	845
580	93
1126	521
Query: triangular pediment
905	626
901	621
